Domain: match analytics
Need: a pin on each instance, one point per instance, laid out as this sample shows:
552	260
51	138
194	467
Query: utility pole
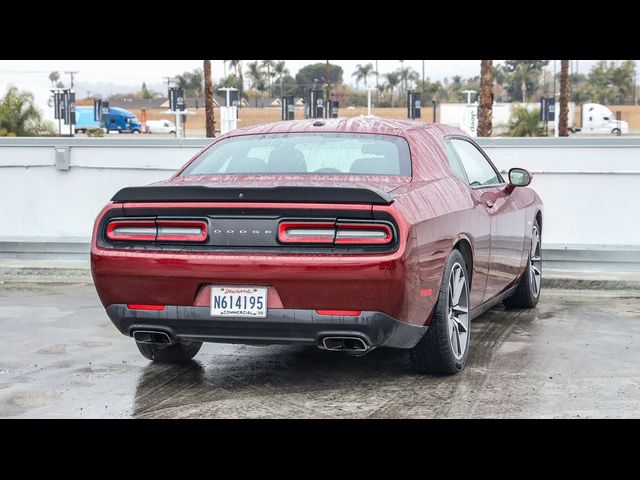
423	74
71	74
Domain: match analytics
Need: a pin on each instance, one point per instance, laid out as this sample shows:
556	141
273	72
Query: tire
527	293
615	131
435	353
176	353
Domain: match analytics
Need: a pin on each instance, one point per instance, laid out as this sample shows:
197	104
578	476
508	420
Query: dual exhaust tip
353	344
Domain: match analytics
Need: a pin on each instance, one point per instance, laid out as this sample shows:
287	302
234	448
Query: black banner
547	109
332	108
316	104
288	108
414	104
233	99
58	106
176	100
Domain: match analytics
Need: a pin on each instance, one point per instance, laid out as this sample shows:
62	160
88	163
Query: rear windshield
317	153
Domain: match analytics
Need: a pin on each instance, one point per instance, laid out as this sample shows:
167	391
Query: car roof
352	125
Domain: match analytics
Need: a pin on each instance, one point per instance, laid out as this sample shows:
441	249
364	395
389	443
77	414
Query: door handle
488	203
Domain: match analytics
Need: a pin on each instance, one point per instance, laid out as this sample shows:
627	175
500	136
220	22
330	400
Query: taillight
363	233
306	232
335	233
181	231
132	230
160	230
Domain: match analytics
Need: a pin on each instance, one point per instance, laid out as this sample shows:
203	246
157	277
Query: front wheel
527	293
176	353
445	346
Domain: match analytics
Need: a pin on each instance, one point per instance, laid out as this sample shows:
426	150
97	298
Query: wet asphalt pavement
576	355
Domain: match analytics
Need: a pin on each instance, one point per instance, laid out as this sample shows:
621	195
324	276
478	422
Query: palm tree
485	108
393	80
258	82
20	117
280	70
54	77
362	72
406	75
269	64
564	99
520	75
237	66
208	100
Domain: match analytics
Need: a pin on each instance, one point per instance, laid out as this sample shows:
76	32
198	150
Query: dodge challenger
344	234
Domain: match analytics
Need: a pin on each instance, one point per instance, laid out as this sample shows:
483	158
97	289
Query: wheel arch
464	246
538	218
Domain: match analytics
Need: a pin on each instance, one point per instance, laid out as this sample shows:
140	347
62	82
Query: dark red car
346	234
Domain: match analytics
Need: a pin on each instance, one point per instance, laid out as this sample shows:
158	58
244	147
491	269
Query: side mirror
518	177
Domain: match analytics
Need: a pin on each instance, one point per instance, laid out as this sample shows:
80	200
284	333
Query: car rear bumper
281	326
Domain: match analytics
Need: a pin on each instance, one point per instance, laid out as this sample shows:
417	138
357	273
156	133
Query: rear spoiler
296	194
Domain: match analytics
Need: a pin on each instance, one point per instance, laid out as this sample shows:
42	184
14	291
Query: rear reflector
135	306
335	233
346	313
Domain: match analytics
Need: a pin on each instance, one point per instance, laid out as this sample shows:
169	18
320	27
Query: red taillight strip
285	237
137	306
181	237
113	227
350	232
345	313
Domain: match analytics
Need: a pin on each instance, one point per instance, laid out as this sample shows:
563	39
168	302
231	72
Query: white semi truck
597	118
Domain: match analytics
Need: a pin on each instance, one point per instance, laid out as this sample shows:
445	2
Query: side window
454	163
479	171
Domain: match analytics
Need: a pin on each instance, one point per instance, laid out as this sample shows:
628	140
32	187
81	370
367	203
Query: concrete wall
590	186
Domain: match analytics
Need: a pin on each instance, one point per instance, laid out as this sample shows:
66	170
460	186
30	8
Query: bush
525	123
95	132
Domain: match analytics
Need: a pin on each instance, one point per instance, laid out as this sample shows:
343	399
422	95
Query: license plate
249	302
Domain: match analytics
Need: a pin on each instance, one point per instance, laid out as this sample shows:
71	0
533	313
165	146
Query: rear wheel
176	353
445	346
527	293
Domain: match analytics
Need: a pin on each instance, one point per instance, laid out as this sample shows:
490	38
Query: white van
597	118
160	126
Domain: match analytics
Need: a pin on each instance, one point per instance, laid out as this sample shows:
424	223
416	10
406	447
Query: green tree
525	122
521	77
393	80
20	117
407	74
269	64
314	74
610	83
54	77
145	92
258	79
281	71
362	72
192	83
231	81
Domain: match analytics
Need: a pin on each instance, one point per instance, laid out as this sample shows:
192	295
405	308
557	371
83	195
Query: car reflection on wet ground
575	356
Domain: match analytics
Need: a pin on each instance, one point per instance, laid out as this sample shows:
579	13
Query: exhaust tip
150	336
345	344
